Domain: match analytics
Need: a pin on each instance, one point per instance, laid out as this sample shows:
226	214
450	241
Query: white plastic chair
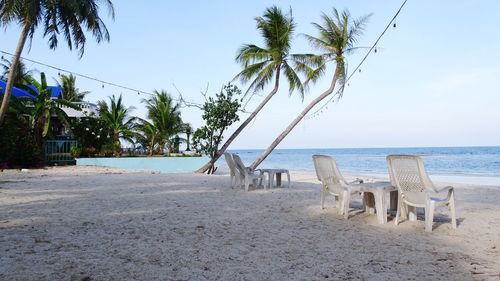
416	190
233	171
247	175
333	183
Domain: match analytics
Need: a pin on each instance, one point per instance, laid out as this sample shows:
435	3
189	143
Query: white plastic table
277	172
374	198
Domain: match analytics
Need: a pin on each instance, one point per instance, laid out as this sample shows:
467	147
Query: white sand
106	224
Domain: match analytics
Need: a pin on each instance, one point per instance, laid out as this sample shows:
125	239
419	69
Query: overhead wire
357	69
101	81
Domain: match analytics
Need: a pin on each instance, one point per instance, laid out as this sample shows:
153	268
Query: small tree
219	114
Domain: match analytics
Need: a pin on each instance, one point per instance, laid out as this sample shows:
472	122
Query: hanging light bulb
59	73
103	86
359	70
394	25
138	93
375	50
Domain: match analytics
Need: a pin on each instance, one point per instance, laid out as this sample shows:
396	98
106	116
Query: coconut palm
150	135
117	118
165	114
68	18
263	64
69	89
22	72
337	37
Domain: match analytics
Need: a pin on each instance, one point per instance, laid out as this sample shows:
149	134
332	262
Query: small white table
272	173
374	198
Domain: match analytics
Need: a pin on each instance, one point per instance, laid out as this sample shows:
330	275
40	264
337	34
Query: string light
180	100
358	68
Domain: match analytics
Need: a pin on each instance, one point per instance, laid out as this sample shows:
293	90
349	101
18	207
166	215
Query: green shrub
18	147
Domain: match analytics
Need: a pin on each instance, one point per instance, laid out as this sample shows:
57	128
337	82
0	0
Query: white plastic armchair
333	183
416	190
233	171
247	175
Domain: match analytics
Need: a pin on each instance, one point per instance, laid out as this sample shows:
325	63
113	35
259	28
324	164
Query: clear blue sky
433	81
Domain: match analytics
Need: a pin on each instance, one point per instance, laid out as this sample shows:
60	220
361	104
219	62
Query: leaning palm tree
68	18
23	74
337	38
262	64
69	89
117	118
165	114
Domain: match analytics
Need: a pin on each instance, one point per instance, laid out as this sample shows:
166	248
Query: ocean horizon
466	164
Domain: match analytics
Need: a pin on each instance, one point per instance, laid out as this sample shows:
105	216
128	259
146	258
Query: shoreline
462	179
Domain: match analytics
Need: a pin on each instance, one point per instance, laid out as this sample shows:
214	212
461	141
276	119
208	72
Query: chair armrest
357	181
446	188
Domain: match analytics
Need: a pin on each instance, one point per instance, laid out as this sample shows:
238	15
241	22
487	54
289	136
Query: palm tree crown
66	17
23	74
263	63
338	37
117	117
69	89
165	117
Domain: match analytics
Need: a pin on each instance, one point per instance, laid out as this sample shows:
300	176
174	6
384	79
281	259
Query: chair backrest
230	162
239	164
407	173
328	173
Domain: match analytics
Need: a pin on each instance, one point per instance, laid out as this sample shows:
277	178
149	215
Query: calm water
462	162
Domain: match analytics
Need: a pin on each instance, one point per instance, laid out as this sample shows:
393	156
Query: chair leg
380	207
254	182
345	203
429	215
247	183
451	205
398	211
322	198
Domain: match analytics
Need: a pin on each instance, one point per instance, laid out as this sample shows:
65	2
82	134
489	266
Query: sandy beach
90	223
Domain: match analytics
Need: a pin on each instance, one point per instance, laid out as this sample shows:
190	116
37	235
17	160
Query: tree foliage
22	73
165	121
43	108
69	89
218	114
59	18
338	36
19	148
117	118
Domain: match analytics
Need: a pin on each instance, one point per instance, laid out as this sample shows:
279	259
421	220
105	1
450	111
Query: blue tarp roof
16	92
20	93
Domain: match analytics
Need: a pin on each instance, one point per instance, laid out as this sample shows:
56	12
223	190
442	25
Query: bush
18	147
92	135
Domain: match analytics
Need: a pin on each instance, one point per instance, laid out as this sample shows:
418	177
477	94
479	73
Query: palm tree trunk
221	151
12	71
295	122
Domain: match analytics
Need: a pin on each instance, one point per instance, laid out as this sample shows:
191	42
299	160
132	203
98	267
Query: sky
432	82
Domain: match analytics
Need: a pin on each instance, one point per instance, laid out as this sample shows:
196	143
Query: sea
469	165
